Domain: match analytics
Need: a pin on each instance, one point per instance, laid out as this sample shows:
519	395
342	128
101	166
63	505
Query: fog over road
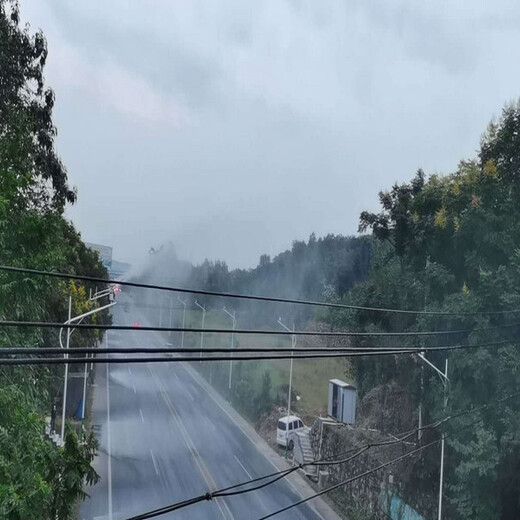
165	437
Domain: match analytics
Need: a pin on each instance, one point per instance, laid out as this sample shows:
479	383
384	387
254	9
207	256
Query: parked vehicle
287	426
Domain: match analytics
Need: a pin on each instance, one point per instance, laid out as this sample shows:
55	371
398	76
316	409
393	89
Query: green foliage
252	389
37	480
451	244
26	118
263	401
71	469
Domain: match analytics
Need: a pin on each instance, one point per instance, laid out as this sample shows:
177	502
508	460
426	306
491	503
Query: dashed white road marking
239	426
129	371
221	504
141	412
191	395
154	463
135	391
243	467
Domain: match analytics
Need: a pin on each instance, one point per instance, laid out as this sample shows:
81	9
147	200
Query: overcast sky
232	128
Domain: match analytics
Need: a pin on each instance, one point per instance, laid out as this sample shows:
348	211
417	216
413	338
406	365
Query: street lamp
233	317
202	331
445	382
183	319
65	383
293	344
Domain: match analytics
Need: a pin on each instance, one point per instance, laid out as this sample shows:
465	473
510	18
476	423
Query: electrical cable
351	479
211	496
324	461
316	352
38	272
171	359
361	475
260	332
41	351
401	437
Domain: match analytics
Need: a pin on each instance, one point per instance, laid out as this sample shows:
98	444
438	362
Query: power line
41	351
170	359
393	461
323	461
210	496
364	474
401	437
259	332
317	352
92	279
352	479
225	493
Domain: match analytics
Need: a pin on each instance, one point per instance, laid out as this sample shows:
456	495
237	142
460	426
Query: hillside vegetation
452	244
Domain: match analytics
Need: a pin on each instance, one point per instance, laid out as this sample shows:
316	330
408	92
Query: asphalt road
165	437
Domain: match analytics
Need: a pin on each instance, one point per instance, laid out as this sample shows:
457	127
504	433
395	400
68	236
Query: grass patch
311	380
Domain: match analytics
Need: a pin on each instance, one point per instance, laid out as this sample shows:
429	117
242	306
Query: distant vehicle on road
287	426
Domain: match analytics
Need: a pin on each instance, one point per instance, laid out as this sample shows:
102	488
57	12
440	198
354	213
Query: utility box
342	401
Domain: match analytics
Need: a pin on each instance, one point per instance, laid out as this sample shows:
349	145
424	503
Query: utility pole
203	308
233	317
183	319
65	382
445	382
293	344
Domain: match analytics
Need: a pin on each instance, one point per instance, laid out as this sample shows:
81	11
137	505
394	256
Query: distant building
105	253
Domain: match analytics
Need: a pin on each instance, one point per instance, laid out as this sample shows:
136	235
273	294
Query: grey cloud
303	111
174	71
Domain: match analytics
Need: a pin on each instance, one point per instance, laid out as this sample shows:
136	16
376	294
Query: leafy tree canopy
452	243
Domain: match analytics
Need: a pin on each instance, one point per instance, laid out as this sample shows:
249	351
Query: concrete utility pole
183	318
233	317
293	344
203	308
445	382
